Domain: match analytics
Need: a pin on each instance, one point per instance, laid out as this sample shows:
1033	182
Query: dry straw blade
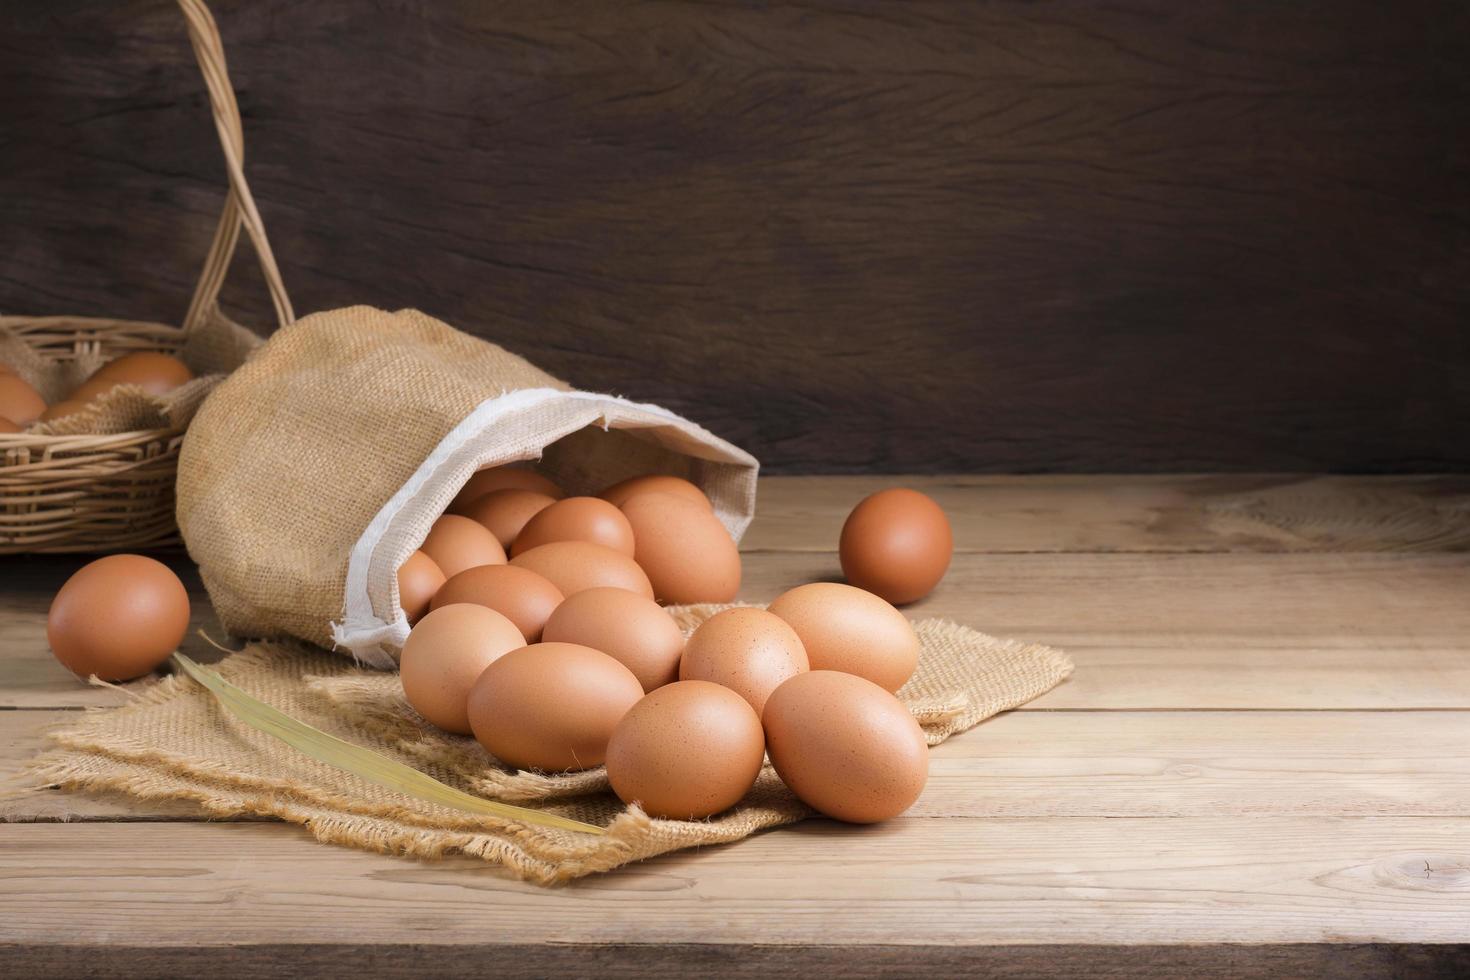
361	762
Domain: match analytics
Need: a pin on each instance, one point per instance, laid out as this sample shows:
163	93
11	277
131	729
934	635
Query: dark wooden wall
894	236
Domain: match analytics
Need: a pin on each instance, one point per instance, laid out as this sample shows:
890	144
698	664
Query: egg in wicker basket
102	478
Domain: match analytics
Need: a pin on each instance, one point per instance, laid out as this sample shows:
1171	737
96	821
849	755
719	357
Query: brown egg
503	478
845	746
518	594
631	628
847	629
896	544
551	706
445	653
9	427
686	751
456	543
155	373
91	389
577	519
19	402
620	493
750	651
418	580
572	566
62	409
505	512
686	551
118	617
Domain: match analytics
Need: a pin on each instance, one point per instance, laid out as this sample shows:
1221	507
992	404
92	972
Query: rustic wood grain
968	882
268	961
1101	830
1092	513
1065	764
936	236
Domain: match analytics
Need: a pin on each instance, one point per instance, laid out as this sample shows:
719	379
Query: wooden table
1261	766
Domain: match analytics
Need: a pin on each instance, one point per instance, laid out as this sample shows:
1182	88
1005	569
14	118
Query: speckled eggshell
847	629
620	493
631	628
750	651
445	653
845	746
419	578
577	519
551	706
505	512
686	751
896	544
19	402
118	617
518	594
503	478
688	554
456	543
576	565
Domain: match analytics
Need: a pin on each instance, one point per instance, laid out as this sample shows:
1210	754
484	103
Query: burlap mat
176	742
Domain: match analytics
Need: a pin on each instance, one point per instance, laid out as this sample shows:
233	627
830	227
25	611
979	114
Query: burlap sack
176	742
311	473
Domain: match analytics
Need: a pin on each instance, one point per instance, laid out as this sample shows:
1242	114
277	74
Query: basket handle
239	204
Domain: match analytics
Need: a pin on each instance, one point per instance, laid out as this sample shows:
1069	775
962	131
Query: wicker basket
114	490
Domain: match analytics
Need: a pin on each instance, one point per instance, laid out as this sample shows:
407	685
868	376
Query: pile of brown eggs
539	631
21	405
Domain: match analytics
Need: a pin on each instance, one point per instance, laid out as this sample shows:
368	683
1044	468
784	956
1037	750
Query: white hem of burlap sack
362	631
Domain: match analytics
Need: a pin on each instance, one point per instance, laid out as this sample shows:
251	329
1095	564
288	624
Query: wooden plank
1072	764
945	236
912	881
1092	513
677	961
1155	631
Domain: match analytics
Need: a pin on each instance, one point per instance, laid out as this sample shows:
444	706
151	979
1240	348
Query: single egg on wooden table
118	617
551	706
686	751
849	629
456	543
155	373
505	512
19	402
576	565
444	654
519	594
629	627
688	554
896	544
503	478
750	651
845	746
577	519
621	492
419	578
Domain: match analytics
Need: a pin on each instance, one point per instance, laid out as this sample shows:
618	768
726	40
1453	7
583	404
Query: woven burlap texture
304	458
176	742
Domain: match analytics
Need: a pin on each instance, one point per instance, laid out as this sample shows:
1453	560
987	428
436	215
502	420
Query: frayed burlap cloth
176	742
